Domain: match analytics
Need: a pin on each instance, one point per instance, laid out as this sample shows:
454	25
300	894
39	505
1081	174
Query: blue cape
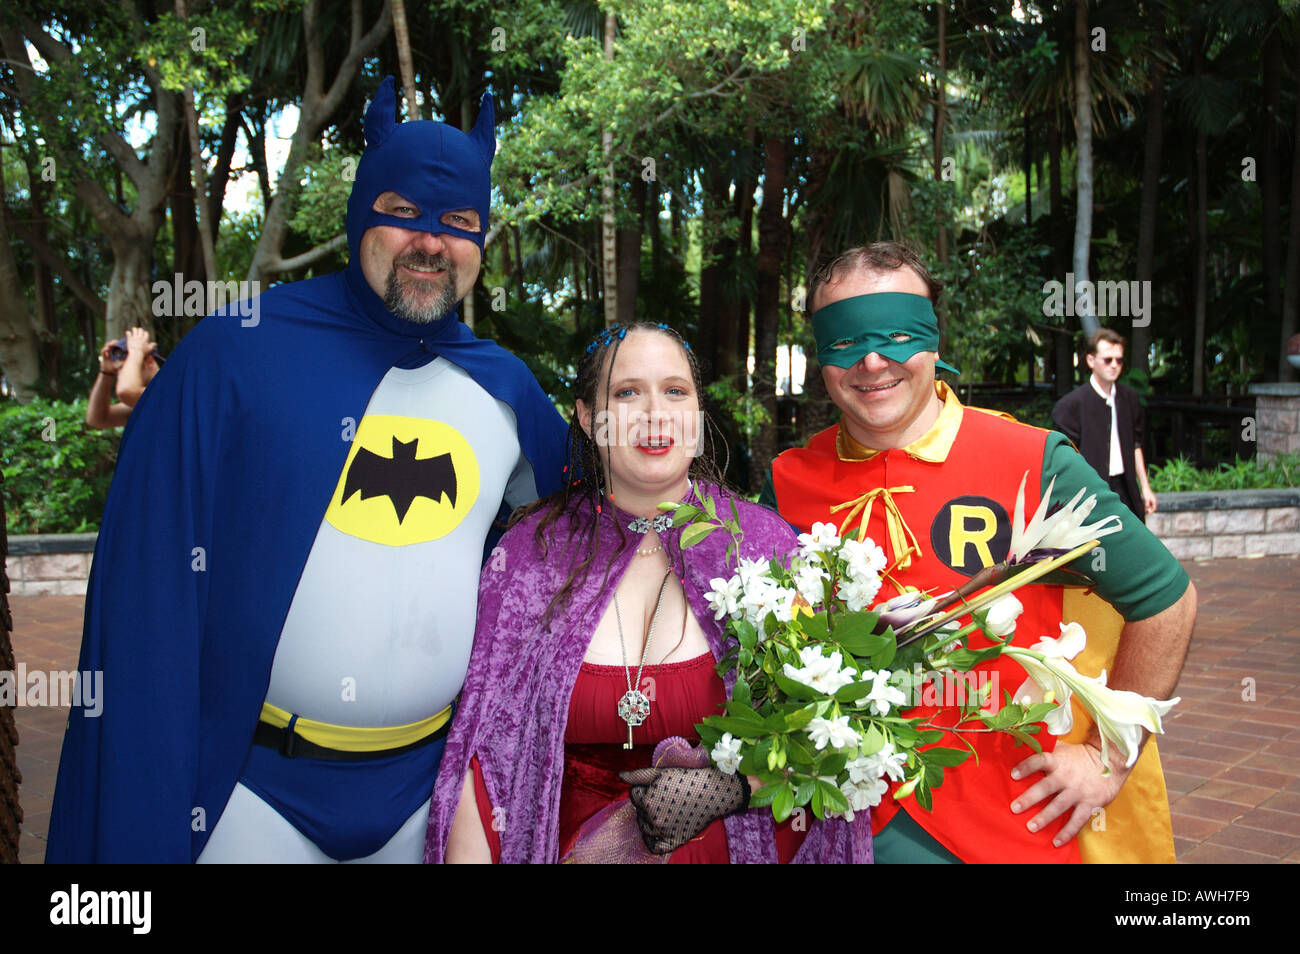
228	464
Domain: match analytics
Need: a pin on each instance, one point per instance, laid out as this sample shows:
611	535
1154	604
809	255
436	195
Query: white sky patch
243	193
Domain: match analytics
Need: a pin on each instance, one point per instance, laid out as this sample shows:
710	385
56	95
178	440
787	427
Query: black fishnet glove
673	805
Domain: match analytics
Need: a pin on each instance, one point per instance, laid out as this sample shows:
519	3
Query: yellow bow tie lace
902	542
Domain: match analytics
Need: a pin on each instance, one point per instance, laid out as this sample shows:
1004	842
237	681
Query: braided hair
584	494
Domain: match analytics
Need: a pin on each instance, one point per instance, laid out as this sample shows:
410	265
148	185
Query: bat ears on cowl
381	121
484	132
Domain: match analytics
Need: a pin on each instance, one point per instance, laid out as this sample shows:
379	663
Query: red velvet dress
681	694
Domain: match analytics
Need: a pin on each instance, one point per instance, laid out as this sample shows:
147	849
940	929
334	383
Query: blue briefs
349	809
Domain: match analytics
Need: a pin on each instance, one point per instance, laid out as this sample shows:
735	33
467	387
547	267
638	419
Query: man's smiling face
885	403
419	275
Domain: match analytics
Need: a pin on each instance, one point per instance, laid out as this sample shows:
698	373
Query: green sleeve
767	496
1134	571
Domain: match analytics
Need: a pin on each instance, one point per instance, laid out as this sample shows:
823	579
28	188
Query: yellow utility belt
346	738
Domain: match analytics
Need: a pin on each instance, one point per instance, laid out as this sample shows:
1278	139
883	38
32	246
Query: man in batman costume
283	593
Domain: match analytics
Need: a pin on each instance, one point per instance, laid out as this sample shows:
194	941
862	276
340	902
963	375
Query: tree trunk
1083	187
1198	42
19	358
1270	177
1291	300
130	302
940	119
1150	206
47	314
1028	163
403	37
1202	255
629	253
317	104
714	258
199	183
609	227
225	155
773	244
1054	169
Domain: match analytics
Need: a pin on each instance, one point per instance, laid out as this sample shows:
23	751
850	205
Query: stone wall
1203	525
1277	411
57	564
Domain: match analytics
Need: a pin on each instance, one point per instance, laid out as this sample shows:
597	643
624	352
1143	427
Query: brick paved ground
1232	763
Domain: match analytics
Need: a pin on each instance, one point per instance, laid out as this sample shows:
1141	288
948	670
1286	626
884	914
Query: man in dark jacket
1104	420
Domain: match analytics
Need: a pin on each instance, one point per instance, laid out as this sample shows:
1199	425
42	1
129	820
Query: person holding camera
126	366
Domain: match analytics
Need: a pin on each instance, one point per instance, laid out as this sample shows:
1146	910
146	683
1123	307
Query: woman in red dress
596	634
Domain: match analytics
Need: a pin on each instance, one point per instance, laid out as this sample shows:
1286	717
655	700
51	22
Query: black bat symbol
401	478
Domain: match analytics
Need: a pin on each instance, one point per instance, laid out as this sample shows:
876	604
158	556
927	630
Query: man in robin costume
284	587
934	482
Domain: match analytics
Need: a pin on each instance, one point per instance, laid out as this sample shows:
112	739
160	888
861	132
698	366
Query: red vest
959	511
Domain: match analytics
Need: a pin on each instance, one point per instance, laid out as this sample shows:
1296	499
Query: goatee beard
400	299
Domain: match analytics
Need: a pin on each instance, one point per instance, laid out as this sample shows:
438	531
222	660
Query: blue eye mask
435	167
893	325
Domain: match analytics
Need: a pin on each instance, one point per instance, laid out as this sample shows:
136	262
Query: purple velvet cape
514	708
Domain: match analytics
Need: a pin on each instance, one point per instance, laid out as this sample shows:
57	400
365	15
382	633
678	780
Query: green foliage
1179	474
745	409
323	202
56	469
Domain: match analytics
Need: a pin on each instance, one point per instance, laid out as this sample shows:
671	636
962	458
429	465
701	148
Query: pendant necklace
634	707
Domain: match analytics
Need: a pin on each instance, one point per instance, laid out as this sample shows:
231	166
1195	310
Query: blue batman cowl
437	167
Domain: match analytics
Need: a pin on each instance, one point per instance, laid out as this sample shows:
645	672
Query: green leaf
853	632
949	757
744	712
874	739
833	764
764	795
933	776
800	718
740	693
795	690
800	753
852	692
695	533
746	635
964	660
818	807
929	736
740	728
923	797
832	797
805	790
883	658
783	802
685	513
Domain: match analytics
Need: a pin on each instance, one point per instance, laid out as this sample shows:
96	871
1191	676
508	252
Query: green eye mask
892	324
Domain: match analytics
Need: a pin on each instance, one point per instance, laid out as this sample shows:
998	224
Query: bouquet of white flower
822	676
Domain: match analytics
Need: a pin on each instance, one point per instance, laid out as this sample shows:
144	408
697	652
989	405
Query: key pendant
633	708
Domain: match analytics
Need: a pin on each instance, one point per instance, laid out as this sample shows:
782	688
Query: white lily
1002	615
1119	714
1062	531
